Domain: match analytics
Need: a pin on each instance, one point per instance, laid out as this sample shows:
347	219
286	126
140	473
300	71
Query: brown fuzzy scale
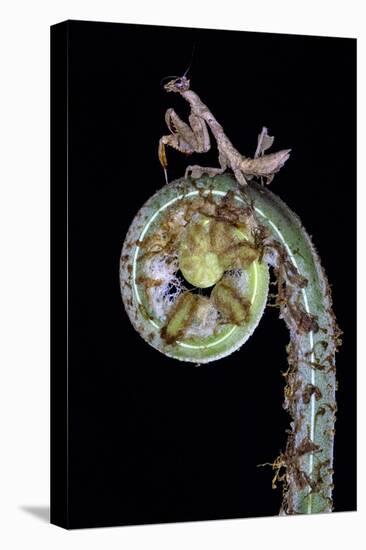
309	390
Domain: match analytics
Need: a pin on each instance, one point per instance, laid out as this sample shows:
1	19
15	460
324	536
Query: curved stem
305	303
303	298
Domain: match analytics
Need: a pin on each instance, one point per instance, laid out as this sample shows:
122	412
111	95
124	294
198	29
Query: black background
151	439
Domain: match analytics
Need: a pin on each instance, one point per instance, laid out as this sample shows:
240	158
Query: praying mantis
194	138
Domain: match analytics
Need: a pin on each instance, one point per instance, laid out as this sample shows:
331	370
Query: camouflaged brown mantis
194	138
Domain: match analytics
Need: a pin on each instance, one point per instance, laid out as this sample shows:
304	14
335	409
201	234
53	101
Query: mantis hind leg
240	177
196	171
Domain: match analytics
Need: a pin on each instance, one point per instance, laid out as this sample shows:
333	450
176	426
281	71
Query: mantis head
178	85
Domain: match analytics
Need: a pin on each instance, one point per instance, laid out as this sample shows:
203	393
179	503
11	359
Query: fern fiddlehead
204	234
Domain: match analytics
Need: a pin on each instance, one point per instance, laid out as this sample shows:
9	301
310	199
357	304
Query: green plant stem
306	466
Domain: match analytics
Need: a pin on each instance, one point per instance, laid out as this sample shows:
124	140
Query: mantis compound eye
173	245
